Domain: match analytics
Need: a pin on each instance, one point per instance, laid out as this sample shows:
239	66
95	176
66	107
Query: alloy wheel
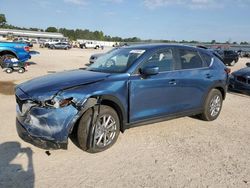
105	131
215	105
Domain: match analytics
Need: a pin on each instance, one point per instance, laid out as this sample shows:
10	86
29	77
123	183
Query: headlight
27	106
59	102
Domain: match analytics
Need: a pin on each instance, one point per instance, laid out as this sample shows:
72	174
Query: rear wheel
98	136
212	106
21	70
7	56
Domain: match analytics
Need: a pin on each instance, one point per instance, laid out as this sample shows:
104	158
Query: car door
155	95
194	79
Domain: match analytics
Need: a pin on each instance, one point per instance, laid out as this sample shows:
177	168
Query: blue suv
124	88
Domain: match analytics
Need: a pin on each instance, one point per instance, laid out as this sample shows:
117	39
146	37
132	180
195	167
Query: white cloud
113	1
196	4
76	2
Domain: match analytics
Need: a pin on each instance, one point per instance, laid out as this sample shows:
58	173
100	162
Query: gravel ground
184	152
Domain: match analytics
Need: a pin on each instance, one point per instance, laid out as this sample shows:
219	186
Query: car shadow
31	63
7	87
11	173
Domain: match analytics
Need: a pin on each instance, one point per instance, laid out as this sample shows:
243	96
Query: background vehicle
229	57
240	80
94	57
242	53
50	42
14	50
60	45
124	88
90	44
12	64
24	40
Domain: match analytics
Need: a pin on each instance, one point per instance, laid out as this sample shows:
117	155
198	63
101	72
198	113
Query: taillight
27	49
227	70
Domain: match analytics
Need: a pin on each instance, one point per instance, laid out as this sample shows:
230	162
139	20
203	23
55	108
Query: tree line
74	34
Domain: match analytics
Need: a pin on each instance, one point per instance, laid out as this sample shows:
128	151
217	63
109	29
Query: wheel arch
115	103
5	52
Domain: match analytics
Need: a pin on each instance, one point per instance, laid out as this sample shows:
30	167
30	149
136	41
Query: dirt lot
184	152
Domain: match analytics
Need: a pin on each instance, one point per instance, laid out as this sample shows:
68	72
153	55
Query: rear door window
189	59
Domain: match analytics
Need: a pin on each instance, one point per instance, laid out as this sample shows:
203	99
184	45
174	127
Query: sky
201	20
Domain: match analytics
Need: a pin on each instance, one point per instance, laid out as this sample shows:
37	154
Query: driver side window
162	59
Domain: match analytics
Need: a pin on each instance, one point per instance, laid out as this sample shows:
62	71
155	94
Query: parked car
243	53
60	45
50	42
229	57
12	64
94	57
21	40
90	44
240	80
10	50
128	87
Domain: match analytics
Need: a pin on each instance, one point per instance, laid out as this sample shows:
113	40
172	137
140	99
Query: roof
159	45
28	33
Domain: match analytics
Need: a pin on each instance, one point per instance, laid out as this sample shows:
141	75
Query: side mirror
148	71
248	64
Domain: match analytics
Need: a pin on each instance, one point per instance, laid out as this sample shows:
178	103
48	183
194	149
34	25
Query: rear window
206	58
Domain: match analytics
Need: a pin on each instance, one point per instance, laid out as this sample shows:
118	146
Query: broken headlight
27	106
59	102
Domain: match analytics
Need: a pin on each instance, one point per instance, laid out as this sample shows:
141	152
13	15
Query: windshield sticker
137	51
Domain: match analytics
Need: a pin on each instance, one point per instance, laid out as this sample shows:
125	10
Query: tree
244	43
213	42
2	19
51	29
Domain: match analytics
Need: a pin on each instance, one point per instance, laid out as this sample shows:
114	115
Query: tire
213	105
232	63
21	70
7	56
97	47
9	70
102	137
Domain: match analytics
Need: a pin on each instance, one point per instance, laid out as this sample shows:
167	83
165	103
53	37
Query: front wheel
213	105
98	136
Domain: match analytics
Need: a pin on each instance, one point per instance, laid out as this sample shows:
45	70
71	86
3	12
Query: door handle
172	82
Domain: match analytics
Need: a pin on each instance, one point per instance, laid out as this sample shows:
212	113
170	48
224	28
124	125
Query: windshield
116	61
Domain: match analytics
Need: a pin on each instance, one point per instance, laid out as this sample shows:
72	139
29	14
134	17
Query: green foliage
51	29
244	43
2	19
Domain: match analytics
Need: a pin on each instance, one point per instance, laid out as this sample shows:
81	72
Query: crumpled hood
243	72
51	84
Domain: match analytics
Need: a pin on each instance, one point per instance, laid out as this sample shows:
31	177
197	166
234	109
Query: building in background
13	33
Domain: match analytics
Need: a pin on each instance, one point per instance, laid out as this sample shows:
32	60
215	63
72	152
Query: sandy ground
184	152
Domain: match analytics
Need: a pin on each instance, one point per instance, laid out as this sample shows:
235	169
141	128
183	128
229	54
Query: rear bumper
40	142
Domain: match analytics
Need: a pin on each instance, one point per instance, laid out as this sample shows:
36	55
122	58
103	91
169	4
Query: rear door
194	78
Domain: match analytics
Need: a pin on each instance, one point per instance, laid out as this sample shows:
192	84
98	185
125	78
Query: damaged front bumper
47	127
38	141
